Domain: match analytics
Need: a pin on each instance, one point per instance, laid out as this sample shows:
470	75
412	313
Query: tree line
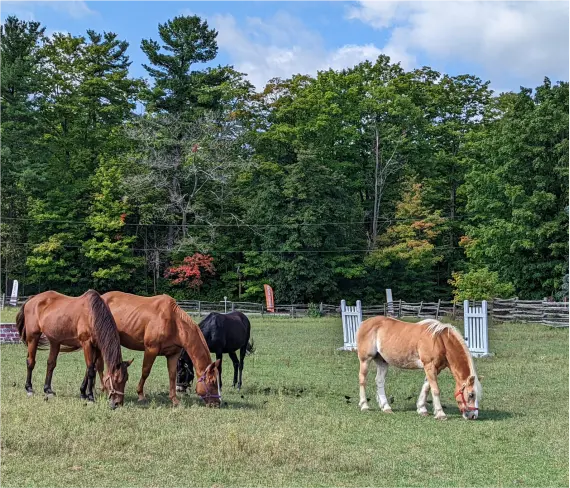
192	183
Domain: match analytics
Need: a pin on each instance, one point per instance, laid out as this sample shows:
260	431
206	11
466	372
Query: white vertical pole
344	325
466	322
485	327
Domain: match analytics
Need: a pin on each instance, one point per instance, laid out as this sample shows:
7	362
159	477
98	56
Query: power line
233	251
289	224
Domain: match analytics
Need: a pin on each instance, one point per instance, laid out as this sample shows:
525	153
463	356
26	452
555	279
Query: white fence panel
475	324
351	320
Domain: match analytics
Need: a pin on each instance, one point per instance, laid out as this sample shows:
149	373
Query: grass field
291	425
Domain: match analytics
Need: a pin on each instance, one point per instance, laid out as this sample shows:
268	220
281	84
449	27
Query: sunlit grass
292	424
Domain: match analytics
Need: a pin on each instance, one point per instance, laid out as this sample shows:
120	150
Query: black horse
224	333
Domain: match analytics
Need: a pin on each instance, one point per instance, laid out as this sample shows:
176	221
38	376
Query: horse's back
143	321
59	317
396	342
229	331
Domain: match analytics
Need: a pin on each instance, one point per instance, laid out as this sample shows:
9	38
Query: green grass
8	314
293	425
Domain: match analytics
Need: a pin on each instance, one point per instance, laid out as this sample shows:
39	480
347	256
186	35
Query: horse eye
471	396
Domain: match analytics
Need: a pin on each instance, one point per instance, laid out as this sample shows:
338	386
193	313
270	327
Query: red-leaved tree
191	270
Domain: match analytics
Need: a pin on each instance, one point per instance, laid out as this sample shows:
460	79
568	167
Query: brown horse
69	324
157	326
430	345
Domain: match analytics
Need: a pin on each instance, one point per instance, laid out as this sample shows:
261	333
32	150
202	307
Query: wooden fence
554	314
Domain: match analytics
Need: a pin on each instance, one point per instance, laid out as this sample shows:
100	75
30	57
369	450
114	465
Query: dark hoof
50	394
83	396
91	399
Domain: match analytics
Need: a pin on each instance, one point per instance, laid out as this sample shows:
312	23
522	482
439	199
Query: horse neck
105	331
193	342
457	357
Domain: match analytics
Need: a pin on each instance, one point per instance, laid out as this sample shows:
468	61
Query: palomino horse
224	333
430	345
157	326
69	324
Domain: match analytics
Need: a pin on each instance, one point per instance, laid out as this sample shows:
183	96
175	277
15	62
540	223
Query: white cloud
282	46
526	40
75	9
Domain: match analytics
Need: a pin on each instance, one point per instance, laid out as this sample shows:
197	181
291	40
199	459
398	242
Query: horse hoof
83	396
30	393
441	417
142	400
388	410
424	414
181	389
364	408
50	394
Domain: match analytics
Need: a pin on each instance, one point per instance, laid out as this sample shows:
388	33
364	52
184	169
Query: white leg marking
421	404
363	404
381	370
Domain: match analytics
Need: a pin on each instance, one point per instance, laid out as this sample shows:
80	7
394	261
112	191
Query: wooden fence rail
554	314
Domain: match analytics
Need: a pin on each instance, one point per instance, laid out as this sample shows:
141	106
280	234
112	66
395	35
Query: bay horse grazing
225	333
428	344
158	326
69	324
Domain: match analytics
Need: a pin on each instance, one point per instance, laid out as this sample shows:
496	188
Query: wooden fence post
437	310
420	310
400	310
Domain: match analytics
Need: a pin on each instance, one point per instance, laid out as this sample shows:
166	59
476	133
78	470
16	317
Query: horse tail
250	348
105	330
21	323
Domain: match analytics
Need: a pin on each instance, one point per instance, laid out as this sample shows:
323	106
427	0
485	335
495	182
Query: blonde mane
435	327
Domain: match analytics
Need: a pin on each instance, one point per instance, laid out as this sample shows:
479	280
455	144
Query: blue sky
509	43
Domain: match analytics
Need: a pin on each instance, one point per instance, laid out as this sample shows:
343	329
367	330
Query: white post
389	301
225	304
344	325
485	327
466	322
14	297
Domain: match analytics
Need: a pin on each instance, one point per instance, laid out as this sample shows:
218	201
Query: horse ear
217	363
130	362
470	381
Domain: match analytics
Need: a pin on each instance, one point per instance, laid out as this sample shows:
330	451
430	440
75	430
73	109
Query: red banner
269	298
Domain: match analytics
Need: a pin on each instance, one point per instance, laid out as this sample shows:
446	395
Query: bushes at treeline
337	185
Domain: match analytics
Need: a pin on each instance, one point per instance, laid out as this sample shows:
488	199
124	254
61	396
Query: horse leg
431	373
51	363
241	356
31	362
83	387
421	403
363	404
235	362
219	356
90	354
172	363
149	357
381	370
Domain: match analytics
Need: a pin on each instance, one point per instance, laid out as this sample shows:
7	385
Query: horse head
468	394
208	385
115	382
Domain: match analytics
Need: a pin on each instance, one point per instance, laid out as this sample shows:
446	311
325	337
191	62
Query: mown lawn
292	425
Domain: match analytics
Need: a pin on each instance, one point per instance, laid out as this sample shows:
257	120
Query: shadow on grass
154	400
452	412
